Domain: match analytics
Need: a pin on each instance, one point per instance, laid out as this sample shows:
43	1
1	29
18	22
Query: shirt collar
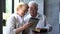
35	17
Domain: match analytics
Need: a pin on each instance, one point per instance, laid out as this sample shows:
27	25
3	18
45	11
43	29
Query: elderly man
33	8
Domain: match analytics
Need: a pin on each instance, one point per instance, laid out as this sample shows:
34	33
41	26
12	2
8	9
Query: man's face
33	10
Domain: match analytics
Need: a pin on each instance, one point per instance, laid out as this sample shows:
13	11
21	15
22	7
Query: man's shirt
41	23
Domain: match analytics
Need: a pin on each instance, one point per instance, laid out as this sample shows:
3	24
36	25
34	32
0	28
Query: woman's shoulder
12	17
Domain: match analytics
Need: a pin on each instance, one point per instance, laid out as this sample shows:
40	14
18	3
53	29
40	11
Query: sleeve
41	22
49	27
10	25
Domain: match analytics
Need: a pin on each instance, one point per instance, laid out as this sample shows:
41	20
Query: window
8	9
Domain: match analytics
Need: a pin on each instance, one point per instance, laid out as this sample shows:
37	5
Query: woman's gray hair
32	3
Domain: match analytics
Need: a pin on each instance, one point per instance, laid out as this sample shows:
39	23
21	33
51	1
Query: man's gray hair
33	3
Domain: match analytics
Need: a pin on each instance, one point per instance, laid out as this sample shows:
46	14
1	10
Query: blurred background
48	7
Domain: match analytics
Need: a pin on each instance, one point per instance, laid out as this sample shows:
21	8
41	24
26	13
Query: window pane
8	6
15	4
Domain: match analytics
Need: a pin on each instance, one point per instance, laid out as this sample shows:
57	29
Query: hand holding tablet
34	21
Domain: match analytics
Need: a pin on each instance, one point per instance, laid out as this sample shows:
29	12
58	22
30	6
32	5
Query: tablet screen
34	20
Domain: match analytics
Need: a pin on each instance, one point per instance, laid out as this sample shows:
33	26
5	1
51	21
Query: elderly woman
15	24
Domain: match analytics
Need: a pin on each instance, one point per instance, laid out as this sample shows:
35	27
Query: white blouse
15	21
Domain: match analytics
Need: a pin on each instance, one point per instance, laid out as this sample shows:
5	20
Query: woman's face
23	10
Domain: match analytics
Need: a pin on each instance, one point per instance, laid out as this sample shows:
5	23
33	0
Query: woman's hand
27	25
24	27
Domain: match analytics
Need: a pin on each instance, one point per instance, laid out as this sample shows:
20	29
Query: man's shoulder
41	16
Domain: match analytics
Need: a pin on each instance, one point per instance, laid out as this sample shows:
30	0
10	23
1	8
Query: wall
52	13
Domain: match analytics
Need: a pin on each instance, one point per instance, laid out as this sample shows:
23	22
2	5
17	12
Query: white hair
33	3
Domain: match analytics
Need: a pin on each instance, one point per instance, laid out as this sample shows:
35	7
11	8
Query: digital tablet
34	21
